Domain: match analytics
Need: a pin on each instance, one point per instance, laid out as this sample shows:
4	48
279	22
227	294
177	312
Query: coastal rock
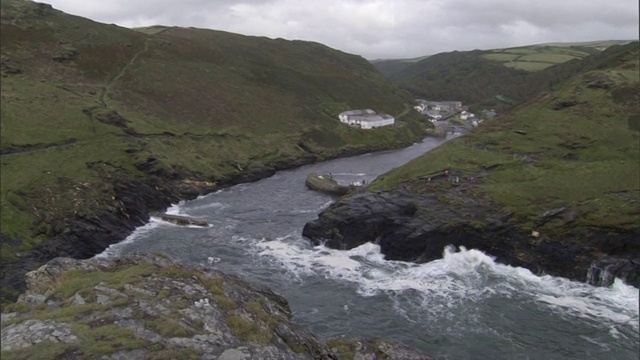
604	271
414	227
145	306
30	332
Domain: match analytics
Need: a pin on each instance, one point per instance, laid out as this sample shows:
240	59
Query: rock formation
149	307
413	227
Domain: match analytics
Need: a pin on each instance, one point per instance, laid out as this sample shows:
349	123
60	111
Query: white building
466	115
433	114
344	116
366	119
375	121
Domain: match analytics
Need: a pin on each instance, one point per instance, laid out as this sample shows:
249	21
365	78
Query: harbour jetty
181	220
327	184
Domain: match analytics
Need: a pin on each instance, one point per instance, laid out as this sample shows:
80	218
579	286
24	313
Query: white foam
200	197
459	277
114	249
175	209
289	257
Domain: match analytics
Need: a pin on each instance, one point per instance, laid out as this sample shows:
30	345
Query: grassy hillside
541	56
477	77
463	76
575	148
86	105
391	67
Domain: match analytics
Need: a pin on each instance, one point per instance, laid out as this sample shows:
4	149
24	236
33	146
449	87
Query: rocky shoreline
82	235
417	227
149	307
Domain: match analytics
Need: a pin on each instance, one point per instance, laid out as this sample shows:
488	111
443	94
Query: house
445	106
366	119
476	122
344	116
375	121
466	115
434	114
421	108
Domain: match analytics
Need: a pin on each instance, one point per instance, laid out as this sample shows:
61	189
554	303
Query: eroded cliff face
149	307
417	227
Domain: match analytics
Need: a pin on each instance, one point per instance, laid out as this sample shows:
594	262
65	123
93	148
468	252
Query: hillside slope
100	123
553	185
477	77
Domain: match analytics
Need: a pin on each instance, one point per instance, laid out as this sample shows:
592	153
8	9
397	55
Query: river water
463	306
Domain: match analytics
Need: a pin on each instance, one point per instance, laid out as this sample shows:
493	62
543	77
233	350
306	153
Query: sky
383	29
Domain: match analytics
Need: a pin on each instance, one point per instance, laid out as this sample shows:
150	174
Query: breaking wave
459	278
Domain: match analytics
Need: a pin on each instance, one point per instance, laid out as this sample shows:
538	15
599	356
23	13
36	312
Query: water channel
463	306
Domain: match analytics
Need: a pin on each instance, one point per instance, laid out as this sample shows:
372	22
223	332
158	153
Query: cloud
383	29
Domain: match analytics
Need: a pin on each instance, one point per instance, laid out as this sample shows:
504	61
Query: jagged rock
159	309
31	332
604	271
412	227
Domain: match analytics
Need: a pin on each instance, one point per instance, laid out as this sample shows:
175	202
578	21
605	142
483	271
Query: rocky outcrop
149	307
417	228
604	271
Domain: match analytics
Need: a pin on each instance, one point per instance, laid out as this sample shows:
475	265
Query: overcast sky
383	28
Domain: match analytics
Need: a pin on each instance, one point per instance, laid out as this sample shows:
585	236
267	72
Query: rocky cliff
149	307
416	228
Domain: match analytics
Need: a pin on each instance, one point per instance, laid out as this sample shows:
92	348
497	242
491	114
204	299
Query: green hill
391	67
541	56
477	77
574	150
100	123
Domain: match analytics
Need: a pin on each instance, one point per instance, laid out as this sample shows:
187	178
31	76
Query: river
463	306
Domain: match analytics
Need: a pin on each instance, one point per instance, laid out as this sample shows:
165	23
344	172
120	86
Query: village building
433	114
467	115
366	119
445	106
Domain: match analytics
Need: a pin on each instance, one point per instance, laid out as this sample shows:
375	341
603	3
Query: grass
583	157
104	340
531	66
535	58
247	330
41	351
167	327
76	280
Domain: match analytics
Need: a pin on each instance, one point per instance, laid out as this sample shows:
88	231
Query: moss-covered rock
149	307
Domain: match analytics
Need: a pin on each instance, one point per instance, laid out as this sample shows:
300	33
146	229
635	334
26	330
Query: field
539	57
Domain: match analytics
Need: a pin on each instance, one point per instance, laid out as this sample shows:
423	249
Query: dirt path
106	89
